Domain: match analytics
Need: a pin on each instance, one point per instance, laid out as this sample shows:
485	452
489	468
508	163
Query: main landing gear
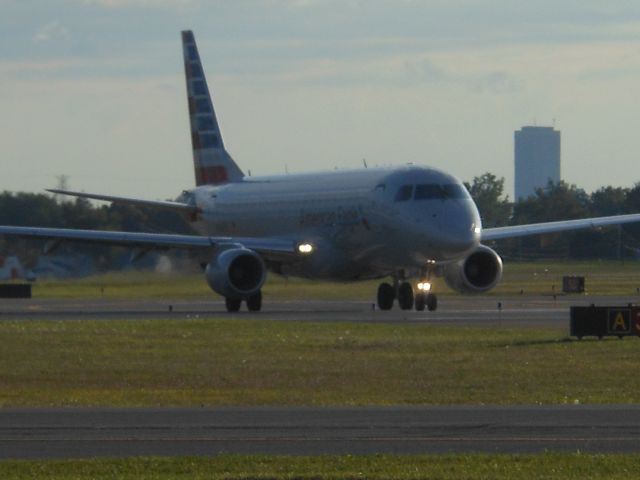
407	299
254	303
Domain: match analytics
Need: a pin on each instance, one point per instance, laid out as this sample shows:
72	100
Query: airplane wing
183	207
155	241
500	233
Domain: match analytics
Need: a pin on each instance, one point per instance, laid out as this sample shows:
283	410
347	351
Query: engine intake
236	273
477	273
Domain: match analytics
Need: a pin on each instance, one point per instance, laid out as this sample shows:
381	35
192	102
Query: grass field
266	362
494	467
602	278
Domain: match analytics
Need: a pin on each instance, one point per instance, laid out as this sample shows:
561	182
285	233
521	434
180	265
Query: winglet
213	164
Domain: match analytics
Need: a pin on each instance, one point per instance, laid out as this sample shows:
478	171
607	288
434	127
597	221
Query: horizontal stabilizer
182	207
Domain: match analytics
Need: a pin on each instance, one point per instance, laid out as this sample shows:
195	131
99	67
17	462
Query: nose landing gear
428	300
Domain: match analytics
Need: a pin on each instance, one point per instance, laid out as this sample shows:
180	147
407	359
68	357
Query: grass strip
478	466
536	278
265	362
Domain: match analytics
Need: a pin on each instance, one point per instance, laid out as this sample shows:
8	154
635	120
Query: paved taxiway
76	433
454	310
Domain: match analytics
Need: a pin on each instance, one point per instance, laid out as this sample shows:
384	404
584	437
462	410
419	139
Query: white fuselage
359	223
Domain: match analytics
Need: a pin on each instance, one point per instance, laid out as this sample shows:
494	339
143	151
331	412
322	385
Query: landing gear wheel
233	304
254	302
432	302
386	295
420	302
405	296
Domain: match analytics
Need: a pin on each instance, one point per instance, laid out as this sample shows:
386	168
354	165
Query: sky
94	89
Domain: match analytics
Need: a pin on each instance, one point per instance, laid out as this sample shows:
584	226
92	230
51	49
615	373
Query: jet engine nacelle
477	273
236	273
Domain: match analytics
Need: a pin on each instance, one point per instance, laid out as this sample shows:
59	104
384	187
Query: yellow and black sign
619	321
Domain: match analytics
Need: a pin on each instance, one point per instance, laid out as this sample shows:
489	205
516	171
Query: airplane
409	223
11	269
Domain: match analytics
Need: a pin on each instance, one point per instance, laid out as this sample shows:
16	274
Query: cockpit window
454	190
404	193
433	191
429	191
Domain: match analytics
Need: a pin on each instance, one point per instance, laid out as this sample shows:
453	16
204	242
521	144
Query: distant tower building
537	159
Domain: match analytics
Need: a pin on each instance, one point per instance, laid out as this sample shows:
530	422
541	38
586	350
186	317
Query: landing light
424	286
305	248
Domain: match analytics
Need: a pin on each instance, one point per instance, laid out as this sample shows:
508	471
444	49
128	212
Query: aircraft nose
462	237
461	229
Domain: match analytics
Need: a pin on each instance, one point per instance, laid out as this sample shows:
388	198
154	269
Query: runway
510	311
83	433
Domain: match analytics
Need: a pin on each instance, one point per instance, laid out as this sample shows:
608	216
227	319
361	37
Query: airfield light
424	286
305	248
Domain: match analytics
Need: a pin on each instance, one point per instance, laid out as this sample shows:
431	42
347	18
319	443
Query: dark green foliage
559	201
29	209
610	201
487	191
562	201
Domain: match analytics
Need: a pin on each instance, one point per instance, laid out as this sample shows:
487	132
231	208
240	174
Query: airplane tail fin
213	165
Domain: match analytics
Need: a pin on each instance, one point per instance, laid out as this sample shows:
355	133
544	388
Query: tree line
559	201
44	210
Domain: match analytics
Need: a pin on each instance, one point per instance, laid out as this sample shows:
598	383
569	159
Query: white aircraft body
408	223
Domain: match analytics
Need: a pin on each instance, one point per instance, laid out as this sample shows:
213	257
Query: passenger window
404	193
429	191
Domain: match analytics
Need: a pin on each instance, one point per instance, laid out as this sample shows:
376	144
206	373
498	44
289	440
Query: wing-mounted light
305	248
